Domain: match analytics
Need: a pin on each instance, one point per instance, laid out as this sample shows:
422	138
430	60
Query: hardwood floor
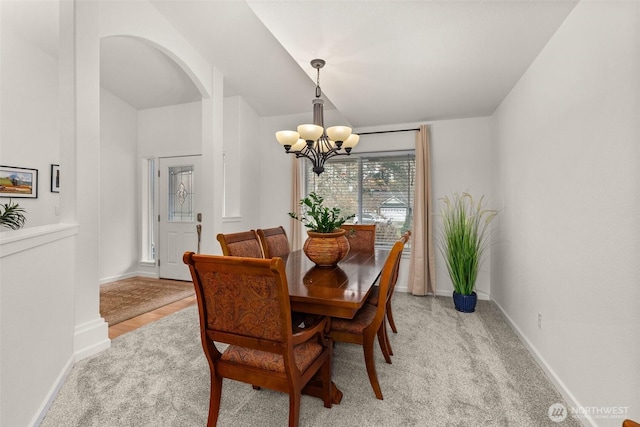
152	316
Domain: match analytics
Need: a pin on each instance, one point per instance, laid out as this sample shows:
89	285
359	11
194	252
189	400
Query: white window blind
377	187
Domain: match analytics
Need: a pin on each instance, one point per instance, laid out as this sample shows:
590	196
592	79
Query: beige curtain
296	236
422	268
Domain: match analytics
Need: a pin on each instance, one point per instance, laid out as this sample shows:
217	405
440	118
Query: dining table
337	291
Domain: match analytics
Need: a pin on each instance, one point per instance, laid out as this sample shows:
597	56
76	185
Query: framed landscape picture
18	182
55	178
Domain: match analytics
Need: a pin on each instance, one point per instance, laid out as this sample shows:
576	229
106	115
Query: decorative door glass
181	194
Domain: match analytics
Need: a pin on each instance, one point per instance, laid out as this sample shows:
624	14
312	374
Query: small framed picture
55	178
18	182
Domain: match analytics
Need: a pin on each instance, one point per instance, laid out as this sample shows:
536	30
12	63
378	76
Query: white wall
119	188
243	162
568	178
51	114
175	130
461	161
37	319
29	135
36	304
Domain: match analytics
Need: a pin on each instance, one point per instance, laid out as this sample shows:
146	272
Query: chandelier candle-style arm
315	142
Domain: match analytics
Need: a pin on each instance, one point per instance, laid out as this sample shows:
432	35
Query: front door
179	214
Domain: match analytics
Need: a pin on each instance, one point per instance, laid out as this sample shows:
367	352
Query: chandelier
315	142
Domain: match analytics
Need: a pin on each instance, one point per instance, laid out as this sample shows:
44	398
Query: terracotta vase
326	249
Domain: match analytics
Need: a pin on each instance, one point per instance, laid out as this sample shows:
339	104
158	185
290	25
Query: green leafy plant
317	217
464	238
12	215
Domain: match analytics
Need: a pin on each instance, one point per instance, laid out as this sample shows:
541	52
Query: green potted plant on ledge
327	243
463	241
12	215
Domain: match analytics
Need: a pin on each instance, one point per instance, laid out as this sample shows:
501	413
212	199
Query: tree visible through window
377	187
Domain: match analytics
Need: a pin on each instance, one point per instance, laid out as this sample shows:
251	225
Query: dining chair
362	237
373	299
369	320
244	302
274	242
242	244
405	238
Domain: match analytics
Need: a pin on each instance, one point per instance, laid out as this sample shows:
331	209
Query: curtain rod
389	131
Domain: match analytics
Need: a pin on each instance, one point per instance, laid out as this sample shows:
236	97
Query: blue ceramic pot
465	303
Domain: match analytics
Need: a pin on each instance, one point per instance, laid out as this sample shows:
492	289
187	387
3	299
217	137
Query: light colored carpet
449	369
129	298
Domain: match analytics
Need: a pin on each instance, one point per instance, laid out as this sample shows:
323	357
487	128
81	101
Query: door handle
199	231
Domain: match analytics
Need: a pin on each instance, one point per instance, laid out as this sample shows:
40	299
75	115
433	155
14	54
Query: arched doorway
149	111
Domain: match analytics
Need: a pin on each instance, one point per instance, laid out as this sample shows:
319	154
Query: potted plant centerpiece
463	240
327	243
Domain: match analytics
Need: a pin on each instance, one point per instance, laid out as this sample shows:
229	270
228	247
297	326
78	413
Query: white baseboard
557	382
151	274
443	293
118	277
91	338
51	395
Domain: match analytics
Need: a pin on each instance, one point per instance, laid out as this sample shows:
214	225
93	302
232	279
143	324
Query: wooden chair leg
390	318
214	400
325	372
371	365
294	408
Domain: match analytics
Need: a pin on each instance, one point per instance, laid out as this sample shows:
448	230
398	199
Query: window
180	194
377	187
148	223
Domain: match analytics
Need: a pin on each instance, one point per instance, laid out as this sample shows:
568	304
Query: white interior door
179	215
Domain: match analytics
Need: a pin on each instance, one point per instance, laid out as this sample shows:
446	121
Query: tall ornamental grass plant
464	238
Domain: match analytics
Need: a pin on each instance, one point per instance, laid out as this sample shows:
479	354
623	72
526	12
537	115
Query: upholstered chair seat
303	354
358	324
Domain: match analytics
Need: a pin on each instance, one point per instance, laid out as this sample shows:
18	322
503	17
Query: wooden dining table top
338	291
